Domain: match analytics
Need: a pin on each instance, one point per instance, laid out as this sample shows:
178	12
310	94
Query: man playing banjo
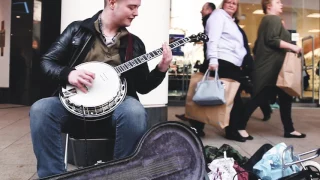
101	38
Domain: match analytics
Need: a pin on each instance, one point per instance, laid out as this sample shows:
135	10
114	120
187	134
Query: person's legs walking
250	107
235	115
266	110
285	102
130	121
46	118
230	71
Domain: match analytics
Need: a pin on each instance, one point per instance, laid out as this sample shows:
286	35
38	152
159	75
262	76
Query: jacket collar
205	19
89	23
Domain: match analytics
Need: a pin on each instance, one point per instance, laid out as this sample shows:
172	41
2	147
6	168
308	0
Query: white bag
222	169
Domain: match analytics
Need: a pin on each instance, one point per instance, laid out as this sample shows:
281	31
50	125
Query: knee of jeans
139	114
37	110
137	117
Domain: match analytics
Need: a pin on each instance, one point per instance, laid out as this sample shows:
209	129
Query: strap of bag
216	76
129	52
207	74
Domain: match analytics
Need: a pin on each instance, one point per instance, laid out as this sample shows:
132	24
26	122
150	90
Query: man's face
125	11
206	10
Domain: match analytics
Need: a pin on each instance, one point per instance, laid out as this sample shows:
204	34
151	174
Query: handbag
209	92
214	115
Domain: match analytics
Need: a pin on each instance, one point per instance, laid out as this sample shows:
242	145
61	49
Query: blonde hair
264	4
236	14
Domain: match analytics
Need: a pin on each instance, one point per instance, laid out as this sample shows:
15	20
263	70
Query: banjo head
103	95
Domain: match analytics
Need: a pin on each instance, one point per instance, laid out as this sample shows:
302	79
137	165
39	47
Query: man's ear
109	2
112	2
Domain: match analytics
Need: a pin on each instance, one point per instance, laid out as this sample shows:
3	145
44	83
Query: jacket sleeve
273	31
54	62
214	29
145	81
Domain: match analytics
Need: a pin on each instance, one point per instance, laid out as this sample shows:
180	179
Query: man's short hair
212	6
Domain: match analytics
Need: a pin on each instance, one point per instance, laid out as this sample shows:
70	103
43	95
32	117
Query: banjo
108	90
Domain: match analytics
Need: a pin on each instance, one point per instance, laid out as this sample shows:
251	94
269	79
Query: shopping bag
209	92
218	115
290	75
271	164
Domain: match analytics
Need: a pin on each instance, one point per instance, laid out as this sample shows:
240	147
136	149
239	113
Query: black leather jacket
72	46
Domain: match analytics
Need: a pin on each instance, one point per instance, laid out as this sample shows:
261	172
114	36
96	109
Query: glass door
305	19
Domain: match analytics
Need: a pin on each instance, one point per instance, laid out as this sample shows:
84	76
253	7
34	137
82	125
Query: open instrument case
168	151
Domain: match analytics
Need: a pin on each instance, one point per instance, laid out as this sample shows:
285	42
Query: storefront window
301	18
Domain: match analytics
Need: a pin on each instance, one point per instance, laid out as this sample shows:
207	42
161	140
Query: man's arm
146	81
54	62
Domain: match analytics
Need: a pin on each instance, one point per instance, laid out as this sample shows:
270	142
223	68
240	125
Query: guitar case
168	151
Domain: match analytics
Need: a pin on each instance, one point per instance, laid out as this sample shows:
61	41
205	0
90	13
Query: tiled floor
17	160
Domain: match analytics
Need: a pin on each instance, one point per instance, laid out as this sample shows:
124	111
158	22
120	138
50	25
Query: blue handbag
209	92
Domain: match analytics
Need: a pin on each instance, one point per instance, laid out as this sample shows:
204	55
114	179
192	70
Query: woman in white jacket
225	51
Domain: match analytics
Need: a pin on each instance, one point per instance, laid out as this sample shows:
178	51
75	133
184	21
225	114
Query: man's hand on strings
166	58
81	79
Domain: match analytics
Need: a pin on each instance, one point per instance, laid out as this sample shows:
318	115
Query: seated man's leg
46	117
130	122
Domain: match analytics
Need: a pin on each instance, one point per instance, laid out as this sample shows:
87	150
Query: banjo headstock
199	37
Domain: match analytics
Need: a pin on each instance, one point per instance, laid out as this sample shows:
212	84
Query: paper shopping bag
290	76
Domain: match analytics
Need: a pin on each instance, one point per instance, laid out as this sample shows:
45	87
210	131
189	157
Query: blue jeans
48	115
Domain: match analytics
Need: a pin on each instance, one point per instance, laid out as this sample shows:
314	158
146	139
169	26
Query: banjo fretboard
146	57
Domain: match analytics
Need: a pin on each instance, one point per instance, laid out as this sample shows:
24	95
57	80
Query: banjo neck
146	57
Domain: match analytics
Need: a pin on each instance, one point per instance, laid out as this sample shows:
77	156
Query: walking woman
270	49
225	52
